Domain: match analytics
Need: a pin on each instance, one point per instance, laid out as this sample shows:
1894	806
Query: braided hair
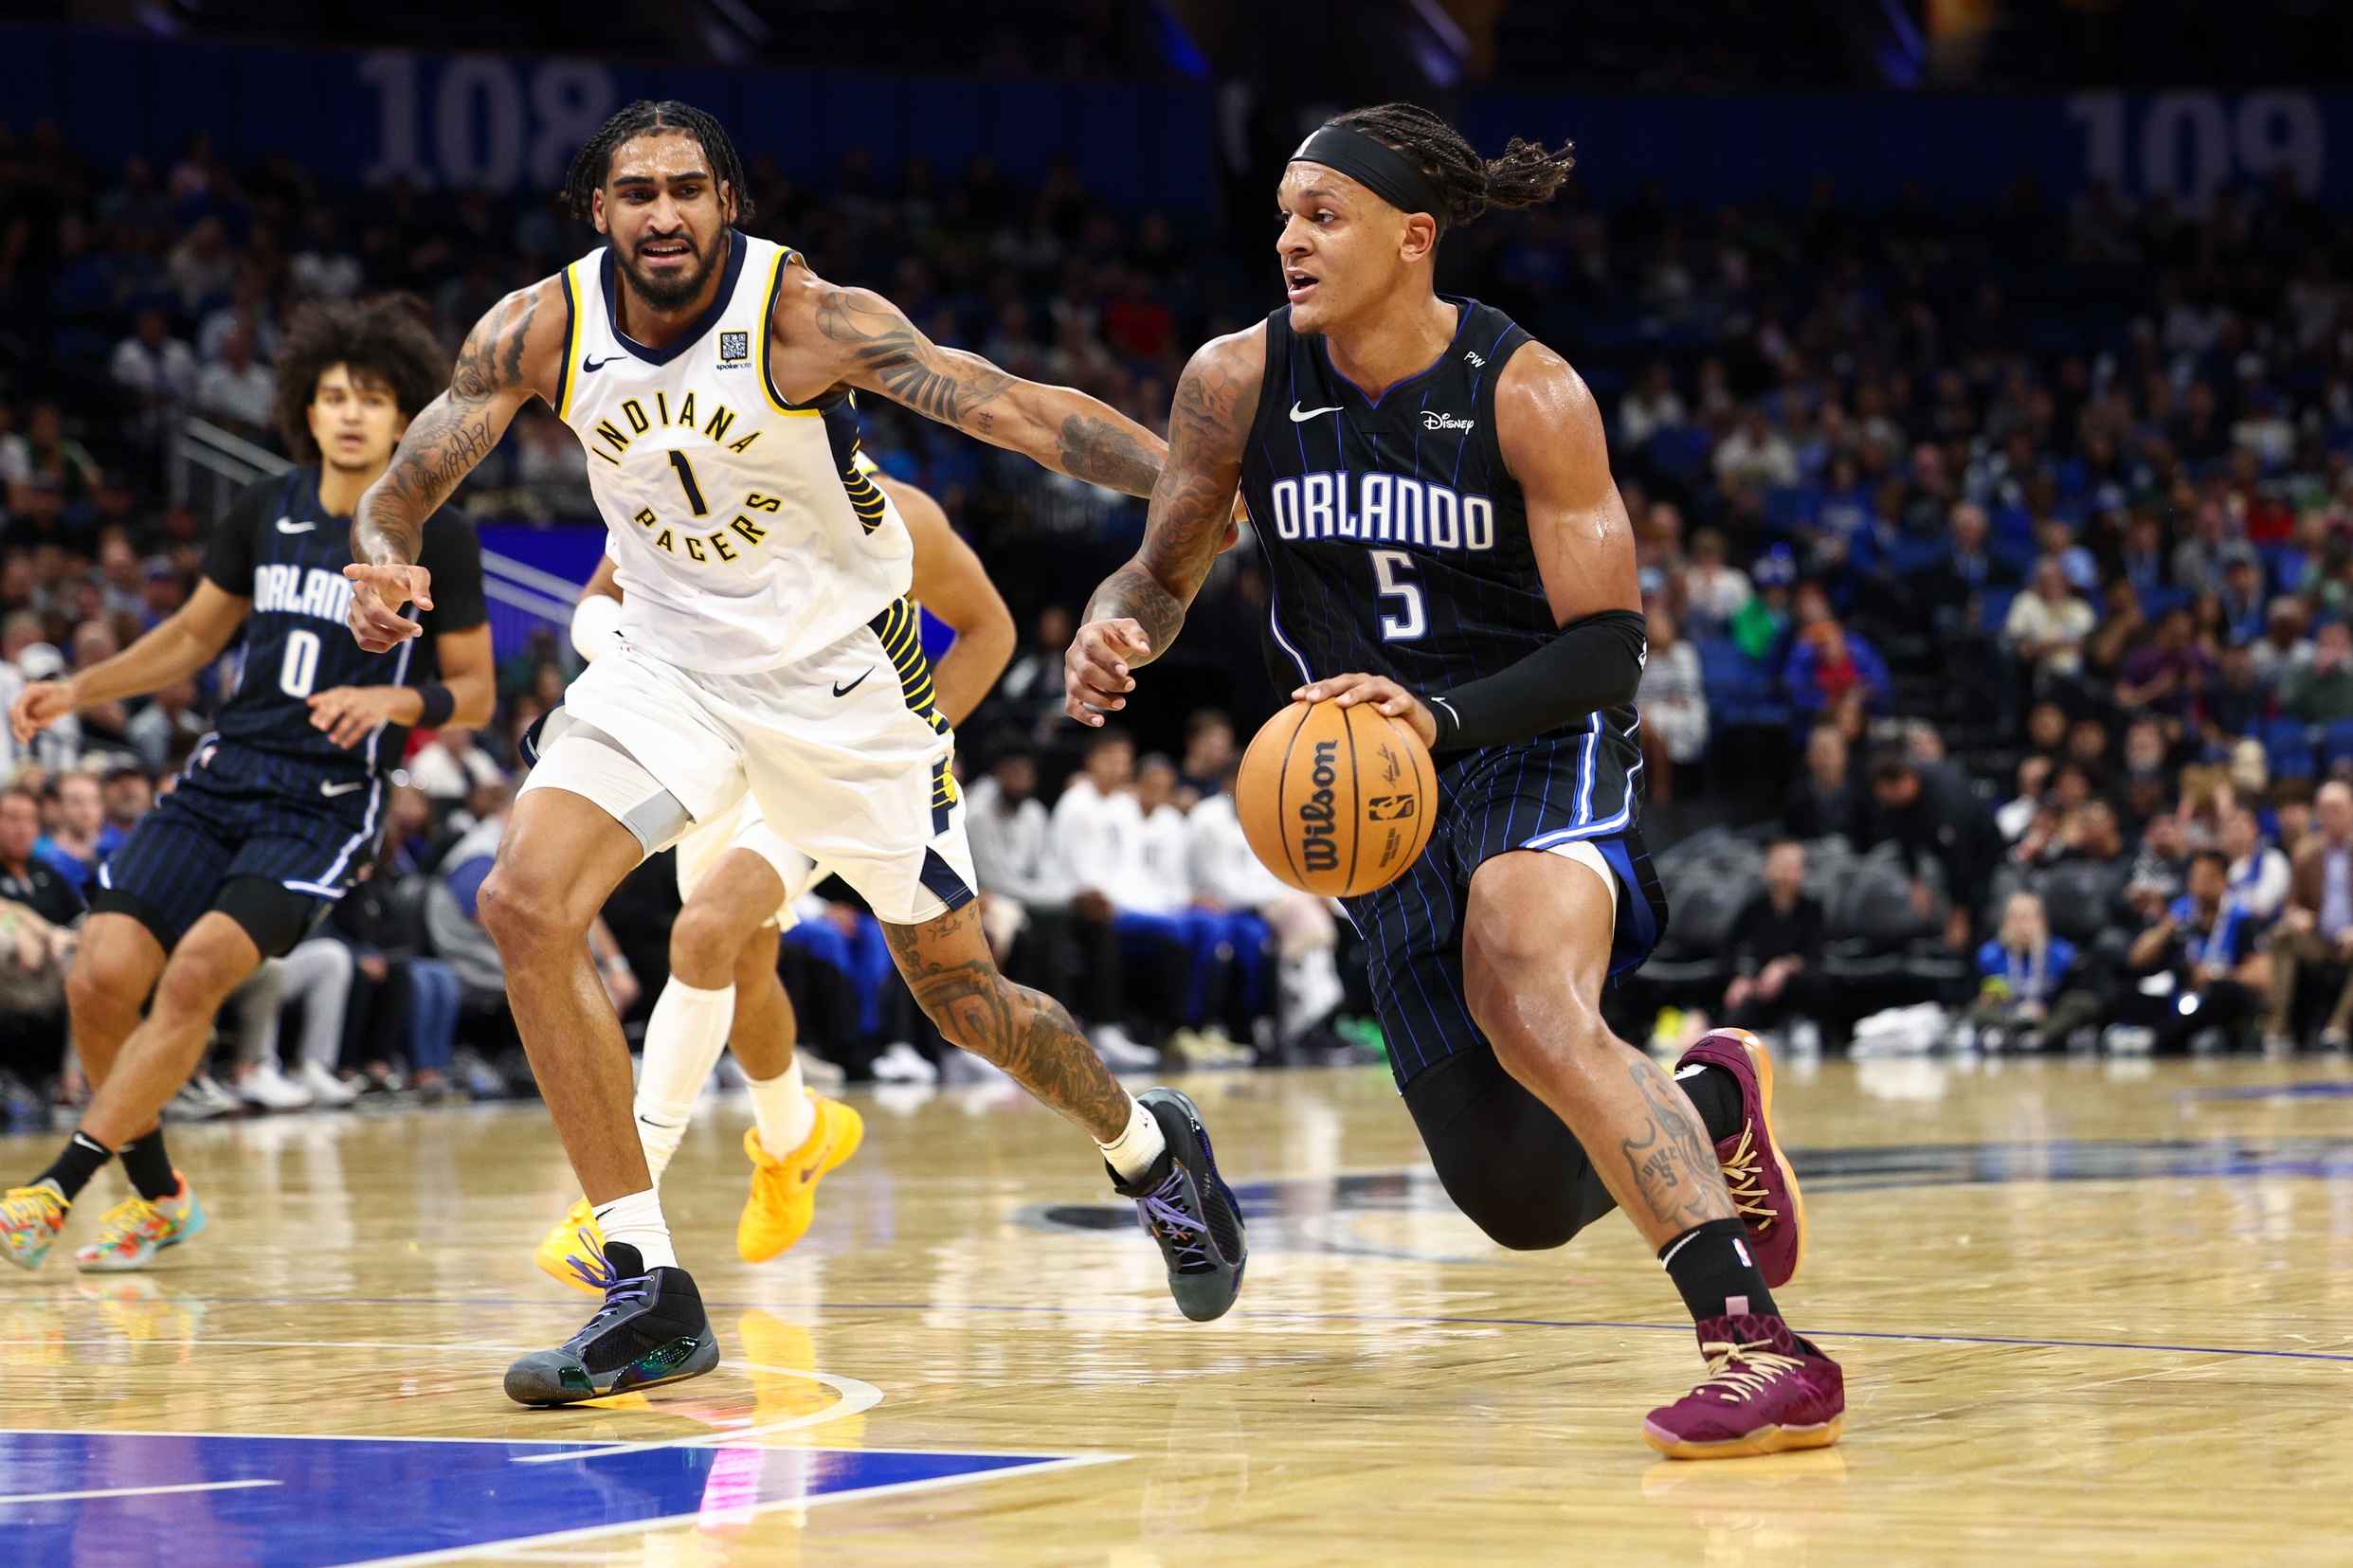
1525	175
647	117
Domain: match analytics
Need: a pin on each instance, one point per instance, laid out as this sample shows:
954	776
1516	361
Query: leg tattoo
1673	1166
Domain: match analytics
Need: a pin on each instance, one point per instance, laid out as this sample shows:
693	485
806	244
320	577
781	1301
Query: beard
672	291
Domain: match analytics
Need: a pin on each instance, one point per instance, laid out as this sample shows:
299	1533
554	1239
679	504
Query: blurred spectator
2164	674
2259	874
79	838
238	389
2047	624
2315	927
1836	675
2321	690
2030	993
153	364
1934	818
1824	801
1775	947
1653	405
1713	593
450	767
38	912
2199	965
1673	707
1208	749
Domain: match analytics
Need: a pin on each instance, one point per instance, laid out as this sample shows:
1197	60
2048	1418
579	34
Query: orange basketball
1336	801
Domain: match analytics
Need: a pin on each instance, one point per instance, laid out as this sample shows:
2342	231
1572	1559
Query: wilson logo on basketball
1337	802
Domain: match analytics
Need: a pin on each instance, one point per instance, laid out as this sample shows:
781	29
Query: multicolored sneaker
574	1252
1764	1188
135	1230
650	1331
29	1220
784	1190
1183	1204
1767	1390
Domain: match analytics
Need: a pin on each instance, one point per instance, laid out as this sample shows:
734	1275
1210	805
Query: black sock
1715	1094
1711	1265
83	1158
149	1167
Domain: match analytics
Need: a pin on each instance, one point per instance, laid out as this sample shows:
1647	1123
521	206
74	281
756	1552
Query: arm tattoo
1101	453
1673	1166
1191	504
938	382
445	441
1027	1034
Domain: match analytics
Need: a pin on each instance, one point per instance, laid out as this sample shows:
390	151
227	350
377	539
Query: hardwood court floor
2087	1312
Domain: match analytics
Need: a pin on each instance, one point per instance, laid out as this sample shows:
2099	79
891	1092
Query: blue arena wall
510	124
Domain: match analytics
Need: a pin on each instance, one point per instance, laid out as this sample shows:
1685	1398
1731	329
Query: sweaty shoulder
1547	422
519	342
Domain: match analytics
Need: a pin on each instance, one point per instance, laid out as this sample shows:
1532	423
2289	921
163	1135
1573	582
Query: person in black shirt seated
1777	947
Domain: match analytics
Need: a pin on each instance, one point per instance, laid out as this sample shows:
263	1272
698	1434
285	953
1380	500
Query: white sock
784	1110
1132	1152
636	1220
683	1039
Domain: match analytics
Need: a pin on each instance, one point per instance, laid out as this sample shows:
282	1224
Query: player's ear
726	203
596	209
1420	238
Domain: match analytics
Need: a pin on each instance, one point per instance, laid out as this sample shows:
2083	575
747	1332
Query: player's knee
197	982
703	946
103	982
1516	1218
522	913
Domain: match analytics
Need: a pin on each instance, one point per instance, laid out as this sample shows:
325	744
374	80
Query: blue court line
1323	1317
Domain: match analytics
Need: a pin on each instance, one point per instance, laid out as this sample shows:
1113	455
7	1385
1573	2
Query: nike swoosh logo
289	526
1300	416
590	366
331	791
841	691
810	1175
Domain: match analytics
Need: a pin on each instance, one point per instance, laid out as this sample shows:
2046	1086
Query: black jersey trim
1278	366
704	323
571	339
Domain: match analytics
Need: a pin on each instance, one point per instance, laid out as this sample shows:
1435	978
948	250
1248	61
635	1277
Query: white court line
136	1491
510	1442
855	1398
857	1494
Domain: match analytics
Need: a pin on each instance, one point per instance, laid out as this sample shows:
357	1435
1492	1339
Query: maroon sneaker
1764	1188
1767	1390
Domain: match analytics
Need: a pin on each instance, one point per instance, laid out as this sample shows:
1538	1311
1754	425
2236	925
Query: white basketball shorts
744	827
844	772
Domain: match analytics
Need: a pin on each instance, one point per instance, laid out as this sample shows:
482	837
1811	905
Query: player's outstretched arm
952	584
827	335
1140	608
181	644
508	358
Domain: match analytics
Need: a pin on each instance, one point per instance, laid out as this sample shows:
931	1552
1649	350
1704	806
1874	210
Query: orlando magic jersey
1397	541
281	549
1398	545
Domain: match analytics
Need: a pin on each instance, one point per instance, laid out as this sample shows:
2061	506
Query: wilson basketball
1336	801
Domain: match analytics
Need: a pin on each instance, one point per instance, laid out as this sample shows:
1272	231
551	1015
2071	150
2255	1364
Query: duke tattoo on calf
1029	1035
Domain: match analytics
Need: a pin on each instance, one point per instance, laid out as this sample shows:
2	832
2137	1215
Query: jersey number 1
686	482
1392	577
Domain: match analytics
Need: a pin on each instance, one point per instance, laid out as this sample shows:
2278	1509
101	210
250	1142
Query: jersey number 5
1392	572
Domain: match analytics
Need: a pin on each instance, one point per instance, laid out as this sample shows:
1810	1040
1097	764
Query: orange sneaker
574	1252
784	1191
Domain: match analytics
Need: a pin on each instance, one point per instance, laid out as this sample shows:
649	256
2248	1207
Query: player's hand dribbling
39	706
1385	695
377	594
1095	670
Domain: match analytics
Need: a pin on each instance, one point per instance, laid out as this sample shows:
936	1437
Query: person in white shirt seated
1099	840
2259	872
1228	875
1025	893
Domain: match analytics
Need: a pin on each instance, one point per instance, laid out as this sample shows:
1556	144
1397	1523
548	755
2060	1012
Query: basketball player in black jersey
278	807
1433	493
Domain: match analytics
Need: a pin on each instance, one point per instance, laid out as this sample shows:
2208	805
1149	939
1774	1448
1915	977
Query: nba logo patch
734	346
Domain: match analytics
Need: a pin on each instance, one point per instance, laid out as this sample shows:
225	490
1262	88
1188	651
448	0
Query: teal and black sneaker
651	1330
1184	1205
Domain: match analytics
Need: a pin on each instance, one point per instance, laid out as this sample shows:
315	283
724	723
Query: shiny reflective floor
2087	1312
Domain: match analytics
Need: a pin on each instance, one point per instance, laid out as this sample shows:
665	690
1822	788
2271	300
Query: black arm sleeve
229	553
1592	664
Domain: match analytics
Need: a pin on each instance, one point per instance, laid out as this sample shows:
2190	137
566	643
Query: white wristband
596	621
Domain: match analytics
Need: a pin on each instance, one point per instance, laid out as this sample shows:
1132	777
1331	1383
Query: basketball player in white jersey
739	882
767	648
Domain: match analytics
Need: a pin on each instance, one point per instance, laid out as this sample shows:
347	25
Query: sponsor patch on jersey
1433	420
734	346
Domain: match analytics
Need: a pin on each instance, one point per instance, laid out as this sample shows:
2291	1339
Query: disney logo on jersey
1382	509
1433	420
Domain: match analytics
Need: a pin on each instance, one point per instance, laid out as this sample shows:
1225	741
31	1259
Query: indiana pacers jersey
744	536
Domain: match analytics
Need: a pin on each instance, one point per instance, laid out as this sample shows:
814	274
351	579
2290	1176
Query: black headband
1379	168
